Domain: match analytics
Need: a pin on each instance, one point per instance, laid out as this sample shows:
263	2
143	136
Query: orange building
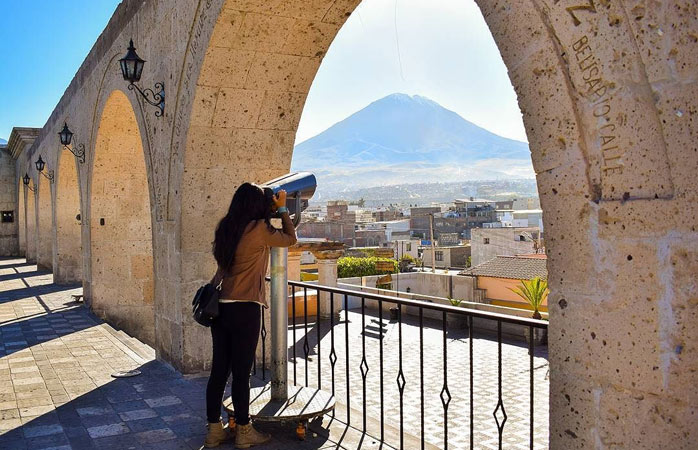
498	275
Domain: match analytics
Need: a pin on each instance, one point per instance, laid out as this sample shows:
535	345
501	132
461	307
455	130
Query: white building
487	244
528	218
406	247
390	226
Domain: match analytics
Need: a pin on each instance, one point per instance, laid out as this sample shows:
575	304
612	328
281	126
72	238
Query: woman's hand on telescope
279	199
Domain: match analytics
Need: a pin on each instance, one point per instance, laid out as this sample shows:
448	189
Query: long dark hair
250	202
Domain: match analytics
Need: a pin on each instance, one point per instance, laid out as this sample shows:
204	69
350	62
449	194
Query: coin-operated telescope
299	187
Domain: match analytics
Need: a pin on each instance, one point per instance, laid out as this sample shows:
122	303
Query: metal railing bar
293	319
421	374
426	305
346	343
530	354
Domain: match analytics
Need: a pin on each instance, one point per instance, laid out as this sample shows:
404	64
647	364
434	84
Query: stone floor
57	392
56	389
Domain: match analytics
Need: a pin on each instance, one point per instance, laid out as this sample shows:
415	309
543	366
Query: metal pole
279	324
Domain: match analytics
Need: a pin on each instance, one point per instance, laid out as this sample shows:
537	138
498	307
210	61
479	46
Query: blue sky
43	43
445	53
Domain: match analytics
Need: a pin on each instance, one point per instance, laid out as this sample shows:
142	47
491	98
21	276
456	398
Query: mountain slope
403	136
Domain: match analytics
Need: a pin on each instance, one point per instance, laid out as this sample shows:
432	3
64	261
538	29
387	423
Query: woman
241	248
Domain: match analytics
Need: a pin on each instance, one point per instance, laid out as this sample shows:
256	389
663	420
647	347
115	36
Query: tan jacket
245	281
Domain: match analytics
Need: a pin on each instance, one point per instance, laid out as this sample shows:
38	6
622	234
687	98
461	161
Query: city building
419	219
406	247
336	210
528	218
386	214
488	243
498	276
447	257
526	203
475	213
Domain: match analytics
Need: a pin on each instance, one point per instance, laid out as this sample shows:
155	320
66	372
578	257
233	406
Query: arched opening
44	259
32	237
68	266
120	223
22	219
597	177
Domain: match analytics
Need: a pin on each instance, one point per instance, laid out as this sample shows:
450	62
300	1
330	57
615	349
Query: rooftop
521	267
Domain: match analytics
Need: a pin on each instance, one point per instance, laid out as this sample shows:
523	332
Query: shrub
361	267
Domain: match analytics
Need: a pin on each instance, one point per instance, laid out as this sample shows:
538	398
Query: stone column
294	264
327	276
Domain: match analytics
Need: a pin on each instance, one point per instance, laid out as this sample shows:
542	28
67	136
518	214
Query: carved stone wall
608	92
44	218
68	255
121	248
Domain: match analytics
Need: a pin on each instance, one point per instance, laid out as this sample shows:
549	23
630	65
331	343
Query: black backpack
205	303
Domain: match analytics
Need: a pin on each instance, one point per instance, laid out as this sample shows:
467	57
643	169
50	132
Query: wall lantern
40	164
66	136
131	69
25	180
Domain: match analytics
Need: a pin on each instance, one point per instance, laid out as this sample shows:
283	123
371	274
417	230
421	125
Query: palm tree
534	291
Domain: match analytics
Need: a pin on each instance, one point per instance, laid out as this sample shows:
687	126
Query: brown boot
217	435
246	436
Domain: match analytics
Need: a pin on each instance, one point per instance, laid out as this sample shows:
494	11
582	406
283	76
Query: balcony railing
400	366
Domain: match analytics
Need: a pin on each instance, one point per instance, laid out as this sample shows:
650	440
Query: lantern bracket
25	181
158	98
49	176
78	151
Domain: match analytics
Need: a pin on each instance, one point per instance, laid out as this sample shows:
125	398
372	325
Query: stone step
137	350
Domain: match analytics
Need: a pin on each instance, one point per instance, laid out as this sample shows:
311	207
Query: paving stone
163	401
164	434
41	430
131	405
94	411
107	430
138	414
104	419
153	423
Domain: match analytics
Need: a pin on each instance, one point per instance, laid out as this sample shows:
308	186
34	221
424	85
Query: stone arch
120	228
68	263
22	218
32	232
606	91
44	256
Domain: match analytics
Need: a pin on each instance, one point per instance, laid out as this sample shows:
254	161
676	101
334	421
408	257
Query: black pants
235	334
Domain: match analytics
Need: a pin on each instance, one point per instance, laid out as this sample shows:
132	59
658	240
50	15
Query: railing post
327	276
279	324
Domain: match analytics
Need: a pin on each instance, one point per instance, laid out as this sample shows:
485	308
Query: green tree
534	291
350	266
361	202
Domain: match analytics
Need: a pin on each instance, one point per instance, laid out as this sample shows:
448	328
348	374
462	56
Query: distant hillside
426	193
408	139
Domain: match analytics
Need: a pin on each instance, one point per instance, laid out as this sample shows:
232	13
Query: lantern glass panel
40	164
138	69
66	135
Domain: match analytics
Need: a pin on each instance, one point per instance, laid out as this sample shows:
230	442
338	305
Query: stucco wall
499	289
